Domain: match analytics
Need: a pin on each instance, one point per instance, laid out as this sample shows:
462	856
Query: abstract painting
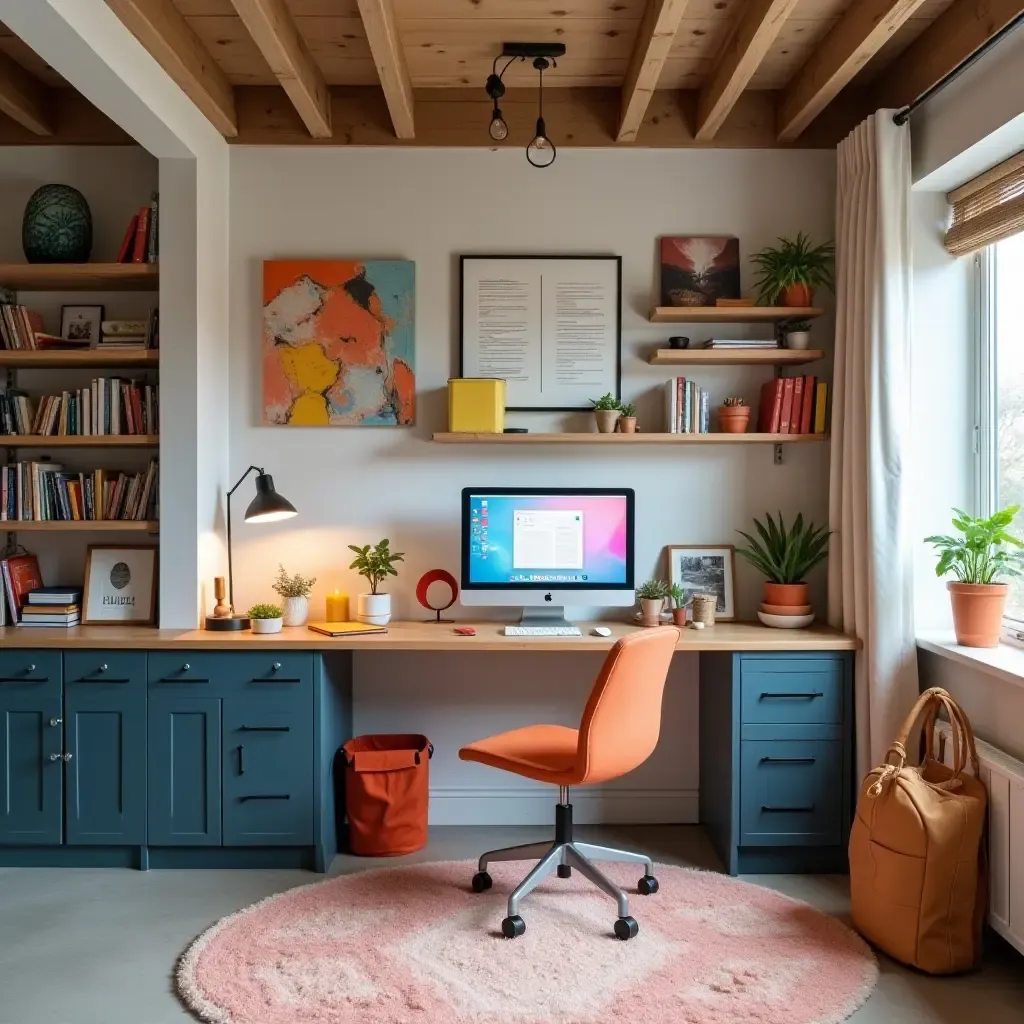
338	343
695	271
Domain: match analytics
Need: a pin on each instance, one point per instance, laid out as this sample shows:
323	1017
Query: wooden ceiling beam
24	98
650	51
273	31
381	28
861	32
747	47
162	30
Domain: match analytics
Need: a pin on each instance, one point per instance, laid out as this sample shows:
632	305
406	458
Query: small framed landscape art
698	270
81	324
706	570
120	585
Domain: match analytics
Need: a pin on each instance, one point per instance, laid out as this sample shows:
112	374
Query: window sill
1004	662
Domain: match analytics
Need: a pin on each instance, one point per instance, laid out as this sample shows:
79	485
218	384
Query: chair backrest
622	718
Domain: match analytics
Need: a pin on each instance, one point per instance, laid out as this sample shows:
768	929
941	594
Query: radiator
1004	777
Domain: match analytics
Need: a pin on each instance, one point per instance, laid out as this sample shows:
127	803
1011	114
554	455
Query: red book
141	232
798	405
129	240
807	409
770	411
21	574
787	405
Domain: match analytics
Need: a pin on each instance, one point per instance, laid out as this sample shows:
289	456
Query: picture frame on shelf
120	585
708	569
81	324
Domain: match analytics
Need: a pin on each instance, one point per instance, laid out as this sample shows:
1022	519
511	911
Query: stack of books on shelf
140	240
726	344
52	606
19	327
793	405
44	492
110	405
687	409
122	334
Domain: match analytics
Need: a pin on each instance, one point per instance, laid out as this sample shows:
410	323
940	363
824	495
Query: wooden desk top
421	636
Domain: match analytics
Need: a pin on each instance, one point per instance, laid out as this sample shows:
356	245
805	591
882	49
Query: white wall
357	485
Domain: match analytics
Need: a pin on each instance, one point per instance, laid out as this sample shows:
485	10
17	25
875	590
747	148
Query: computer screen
538	538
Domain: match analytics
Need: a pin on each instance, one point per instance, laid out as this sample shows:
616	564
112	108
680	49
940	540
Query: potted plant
979	560
790	273
652	596
798	334
266	618
678	596
733	416
627	418
606	412
295	591
785	557
376	564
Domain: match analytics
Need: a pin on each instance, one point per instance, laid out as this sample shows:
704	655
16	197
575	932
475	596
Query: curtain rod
903	116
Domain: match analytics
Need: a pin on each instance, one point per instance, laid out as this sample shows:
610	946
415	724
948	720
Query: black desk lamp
267	507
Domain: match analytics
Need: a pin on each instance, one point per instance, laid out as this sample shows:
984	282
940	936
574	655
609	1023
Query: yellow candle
337	607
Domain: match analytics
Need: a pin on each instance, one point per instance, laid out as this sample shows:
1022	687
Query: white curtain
870	581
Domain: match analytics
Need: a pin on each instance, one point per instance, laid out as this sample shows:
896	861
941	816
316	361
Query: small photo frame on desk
120	585
705	569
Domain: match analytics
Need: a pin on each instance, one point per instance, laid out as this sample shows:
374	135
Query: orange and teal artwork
339	343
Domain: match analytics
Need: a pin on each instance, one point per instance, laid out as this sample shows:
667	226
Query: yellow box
476	405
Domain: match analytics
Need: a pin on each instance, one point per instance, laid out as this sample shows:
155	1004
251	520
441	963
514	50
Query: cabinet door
105	734
184	770
31	768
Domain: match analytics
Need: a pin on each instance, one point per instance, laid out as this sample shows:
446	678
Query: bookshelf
734	357
626	440
95	359
732	314
80	277
79	441
82	525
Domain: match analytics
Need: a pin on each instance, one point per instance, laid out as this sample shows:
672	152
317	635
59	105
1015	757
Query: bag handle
961	732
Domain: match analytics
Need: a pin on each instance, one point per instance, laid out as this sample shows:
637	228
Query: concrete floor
98	946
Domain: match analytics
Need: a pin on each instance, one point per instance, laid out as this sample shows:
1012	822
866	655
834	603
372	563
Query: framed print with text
120	585
550	326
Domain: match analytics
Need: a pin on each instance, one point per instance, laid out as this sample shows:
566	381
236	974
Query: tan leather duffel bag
918	884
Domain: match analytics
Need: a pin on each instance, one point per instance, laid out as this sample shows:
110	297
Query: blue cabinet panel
184	770
105	734
791	690
271	673
31	768
39	671
115	667
187	668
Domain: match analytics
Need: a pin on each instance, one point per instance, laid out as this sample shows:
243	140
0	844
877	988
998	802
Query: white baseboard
485	805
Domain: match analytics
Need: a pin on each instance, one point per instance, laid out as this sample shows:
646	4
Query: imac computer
542	548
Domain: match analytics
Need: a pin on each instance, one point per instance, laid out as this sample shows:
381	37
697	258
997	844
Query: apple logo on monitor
547	597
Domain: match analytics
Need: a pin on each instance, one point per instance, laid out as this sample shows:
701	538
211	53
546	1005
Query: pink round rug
415	945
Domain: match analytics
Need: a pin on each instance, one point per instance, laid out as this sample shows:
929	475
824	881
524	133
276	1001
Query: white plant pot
266	625
296	609
798	340
374	609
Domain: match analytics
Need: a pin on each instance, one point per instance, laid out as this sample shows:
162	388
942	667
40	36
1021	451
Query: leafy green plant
795	261
608	401
785	556
979	555
376	563
265	611
652	590
292	586
677	594
628	410
798	326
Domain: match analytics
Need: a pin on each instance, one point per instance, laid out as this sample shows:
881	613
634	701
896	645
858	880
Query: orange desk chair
619	731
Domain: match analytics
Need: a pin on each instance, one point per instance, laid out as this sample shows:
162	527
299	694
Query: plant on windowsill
678	596
375	564
295	591
266	618
790	273
627	418
606	412
980	558
651	596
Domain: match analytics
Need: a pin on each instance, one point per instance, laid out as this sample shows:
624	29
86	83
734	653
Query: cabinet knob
54	722
277	666
185	667
31	668
55	757
102	668
67	757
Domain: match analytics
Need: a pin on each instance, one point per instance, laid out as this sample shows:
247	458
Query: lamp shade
268	506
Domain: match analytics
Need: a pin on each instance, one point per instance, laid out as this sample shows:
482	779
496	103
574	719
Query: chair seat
547	753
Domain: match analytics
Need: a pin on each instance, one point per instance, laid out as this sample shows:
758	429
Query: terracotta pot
797	295
733	419
627	424
789	594
977	612
606	420
679	616
650	611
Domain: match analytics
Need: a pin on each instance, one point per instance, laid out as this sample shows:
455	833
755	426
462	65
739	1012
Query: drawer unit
188	668
270	674
116	668
791	690
34	672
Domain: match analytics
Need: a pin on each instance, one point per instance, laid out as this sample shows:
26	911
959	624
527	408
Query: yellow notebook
820	402
345	628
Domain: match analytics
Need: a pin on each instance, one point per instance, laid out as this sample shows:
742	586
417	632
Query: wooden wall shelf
76	441
79	526
731	314
80	277
733	357
627	440
57	359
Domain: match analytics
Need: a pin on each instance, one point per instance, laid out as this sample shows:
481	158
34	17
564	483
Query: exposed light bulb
498	130
541	151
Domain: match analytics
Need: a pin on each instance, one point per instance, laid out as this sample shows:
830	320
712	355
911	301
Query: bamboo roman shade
988	208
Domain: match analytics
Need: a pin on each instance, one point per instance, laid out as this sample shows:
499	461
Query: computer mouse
600	631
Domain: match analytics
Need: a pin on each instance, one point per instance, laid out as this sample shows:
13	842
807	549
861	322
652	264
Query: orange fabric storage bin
387	793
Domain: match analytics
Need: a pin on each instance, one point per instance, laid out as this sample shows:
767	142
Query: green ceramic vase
57	227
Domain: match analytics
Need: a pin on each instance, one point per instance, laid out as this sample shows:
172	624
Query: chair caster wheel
481	881
513	927
564	871
647	886
626	928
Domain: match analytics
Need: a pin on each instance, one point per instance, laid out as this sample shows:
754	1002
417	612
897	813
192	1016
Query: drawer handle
275	679
90	679
265	796
24	679
264	728
790	696
241	760
171	679
766	809
788	760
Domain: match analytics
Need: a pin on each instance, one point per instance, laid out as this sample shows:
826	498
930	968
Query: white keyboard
542	631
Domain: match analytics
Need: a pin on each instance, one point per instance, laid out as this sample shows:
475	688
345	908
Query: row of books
25	601
727	345
687	407
18	326
793	405
110	405
43	491
140	240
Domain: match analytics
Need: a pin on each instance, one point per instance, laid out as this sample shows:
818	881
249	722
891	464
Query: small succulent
677	594
653	590
628	410
798	326
606	402
265	611
734	402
